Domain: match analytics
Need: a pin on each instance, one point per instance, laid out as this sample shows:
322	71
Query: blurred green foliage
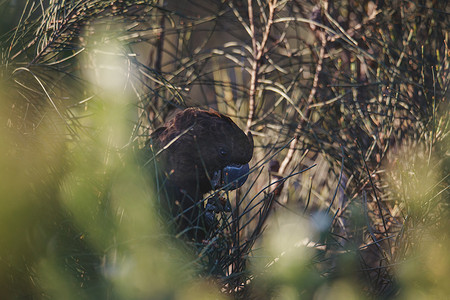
82	84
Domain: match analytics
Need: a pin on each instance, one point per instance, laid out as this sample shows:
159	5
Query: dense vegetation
347	102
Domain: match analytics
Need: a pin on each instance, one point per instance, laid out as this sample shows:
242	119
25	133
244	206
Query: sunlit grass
363	113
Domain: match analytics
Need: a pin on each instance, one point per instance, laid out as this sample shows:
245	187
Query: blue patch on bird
235	175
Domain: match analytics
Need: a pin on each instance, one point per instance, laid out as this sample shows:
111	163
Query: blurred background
347	101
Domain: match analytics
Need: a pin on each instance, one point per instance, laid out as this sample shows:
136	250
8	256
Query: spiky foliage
343	88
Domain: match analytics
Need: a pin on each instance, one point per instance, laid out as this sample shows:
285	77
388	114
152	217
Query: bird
193	153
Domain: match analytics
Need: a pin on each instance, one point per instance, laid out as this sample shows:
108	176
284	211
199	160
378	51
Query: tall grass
348	105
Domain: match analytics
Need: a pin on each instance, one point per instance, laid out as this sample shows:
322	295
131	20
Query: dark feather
198	151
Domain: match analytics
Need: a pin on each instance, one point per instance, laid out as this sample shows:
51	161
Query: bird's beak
250	140
232	176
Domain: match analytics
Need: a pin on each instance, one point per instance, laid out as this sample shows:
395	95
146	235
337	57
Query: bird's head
204	150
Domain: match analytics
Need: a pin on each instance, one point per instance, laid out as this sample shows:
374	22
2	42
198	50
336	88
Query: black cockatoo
195	152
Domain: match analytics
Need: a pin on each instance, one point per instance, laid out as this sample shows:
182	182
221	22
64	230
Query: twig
304	120
258	53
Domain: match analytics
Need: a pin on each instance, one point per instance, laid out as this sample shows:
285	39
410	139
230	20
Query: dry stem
258	53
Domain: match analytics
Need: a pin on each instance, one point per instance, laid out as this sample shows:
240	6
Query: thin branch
304	120
258	53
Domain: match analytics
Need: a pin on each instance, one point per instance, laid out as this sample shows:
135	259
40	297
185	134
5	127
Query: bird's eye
223	152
